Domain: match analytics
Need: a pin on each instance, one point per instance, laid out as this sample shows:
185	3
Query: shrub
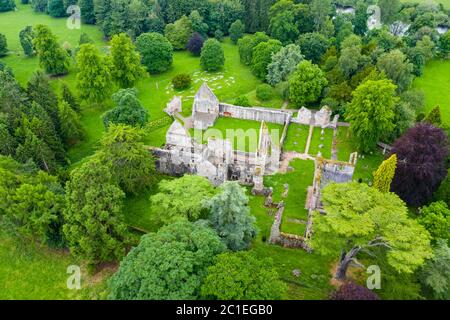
212	57
195	44
242	101
264	92
353	291
218	35
7	5
3	45
181	81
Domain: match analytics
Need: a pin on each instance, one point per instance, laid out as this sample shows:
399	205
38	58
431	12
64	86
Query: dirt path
308	142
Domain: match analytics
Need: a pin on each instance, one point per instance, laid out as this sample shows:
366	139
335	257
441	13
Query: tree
443	193
248	43
426	47
283	63
170	264
313	46
7	5
71	130
230	216
320	11
85	38
436	219
94	76
389	10
382	178
198	24
434	117
55	8
223	13
242	276
126	65
52	58
236	31
283	25
128	110
360	19
359	219
306	83
422	152
178	33
182	198
39	5
87	11
212	57
436	272
262	56
3	45
26	36
352	291
371	112
123	152
396	67
156	52
444	44
195	44
67	96
94	225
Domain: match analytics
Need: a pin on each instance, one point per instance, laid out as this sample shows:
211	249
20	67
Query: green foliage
198	24
94	226
67	96
434	117
212	57
39	5
313	46
242	101
264	92
371	112
156	52
71	130
182	198
94	75
306	83
243	276
7	5
85	38
443	193
396	67
262	56
181	81
283	21
236	31
436	219
435	274
126	65
128	110
179	32
382	178
230	216
248	43
52	58
361	218
123	152
444	44
283	63
218	35
3	45
390	10
55	8
26	36
170	264
87	12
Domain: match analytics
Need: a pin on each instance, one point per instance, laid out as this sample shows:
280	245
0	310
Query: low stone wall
255	113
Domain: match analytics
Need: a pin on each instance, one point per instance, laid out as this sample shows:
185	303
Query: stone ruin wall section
254	113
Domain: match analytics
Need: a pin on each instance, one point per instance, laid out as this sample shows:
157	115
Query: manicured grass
319	140
243	134
435	83
344	146
31	271
296	138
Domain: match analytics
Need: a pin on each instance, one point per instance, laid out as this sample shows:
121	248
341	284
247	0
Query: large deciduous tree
262	56
359	218
167	265
52	58
185	197
371	112
248	43
397	67
126	65
94	226
313	46
236	31
179	32
283	63
128	110
422	154
94	75
243	276
156	52
436	219
306	83
230	216
212	57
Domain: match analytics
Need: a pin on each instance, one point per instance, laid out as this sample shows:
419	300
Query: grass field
296	138
321	143
435	83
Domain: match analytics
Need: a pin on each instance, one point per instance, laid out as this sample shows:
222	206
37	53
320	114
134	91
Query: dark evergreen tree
195	44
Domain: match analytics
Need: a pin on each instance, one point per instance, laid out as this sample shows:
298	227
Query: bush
236	31
181	81
195	44
212	57
3	45
7	5
242	101
218	35
264	92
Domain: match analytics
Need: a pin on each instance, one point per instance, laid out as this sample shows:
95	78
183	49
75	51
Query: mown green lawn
435	83
321	142
296	138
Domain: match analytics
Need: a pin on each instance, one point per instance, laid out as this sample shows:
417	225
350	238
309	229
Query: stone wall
322	118
255	113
